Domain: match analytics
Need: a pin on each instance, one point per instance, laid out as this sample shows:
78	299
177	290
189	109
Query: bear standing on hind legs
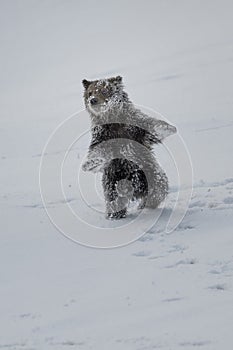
121	148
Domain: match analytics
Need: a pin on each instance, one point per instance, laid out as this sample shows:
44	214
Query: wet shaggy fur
121	148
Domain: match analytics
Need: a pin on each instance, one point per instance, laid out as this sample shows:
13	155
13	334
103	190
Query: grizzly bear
121	148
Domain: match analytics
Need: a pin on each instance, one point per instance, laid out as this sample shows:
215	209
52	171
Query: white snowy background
165	291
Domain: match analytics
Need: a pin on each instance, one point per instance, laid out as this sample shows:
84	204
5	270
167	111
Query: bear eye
90	93
104	92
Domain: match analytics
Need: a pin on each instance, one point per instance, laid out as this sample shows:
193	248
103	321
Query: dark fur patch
123	169
111	131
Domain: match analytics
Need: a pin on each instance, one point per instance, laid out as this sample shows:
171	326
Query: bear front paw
92	164
163	129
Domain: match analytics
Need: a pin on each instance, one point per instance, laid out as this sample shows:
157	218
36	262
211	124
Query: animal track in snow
218	286
182	262
195	343
142	253
169	300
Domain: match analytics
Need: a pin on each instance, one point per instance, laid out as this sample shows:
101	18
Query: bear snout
93	101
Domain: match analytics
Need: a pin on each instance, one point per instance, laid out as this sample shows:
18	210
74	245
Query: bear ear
86	83
116	80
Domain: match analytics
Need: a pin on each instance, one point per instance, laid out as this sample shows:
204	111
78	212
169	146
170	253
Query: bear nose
93	101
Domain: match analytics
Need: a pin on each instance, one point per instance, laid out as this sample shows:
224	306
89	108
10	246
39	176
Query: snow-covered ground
164	291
